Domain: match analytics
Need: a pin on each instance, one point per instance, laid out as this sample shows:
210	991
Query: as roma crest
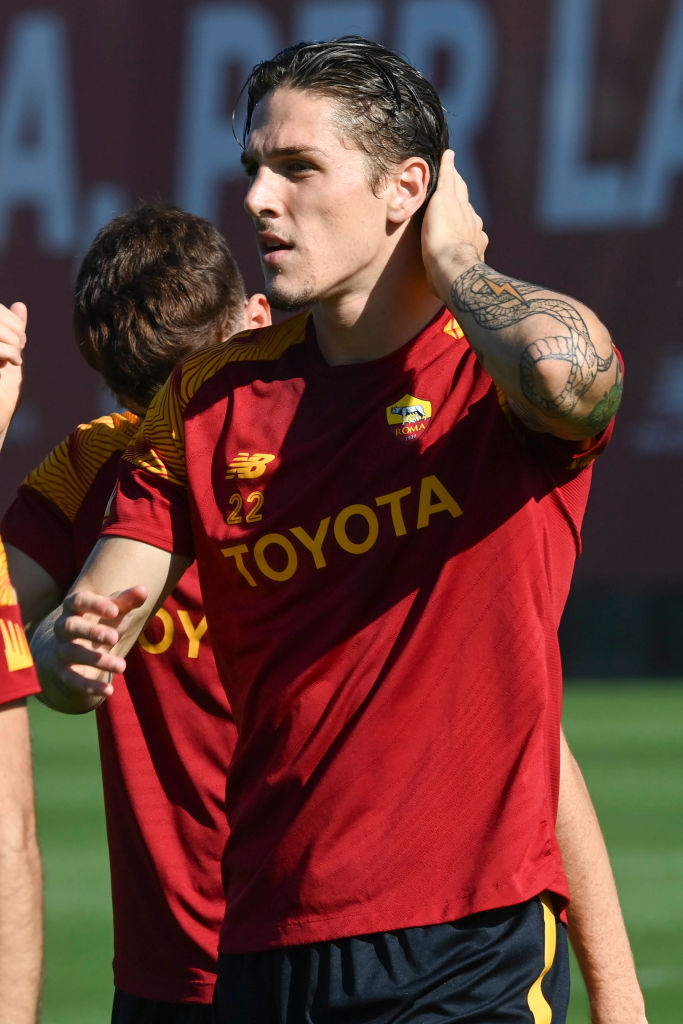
409	417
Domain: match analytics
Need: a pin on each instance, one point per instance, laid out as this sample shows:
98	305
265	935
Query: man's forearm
79	645
21	913
21	932
596	925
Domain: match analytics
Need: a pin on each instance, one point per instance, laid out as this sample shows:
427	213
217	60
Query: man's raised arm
80	645
549	353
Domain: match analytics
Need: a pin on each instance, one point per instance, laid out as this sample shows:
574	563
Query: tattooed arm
550	354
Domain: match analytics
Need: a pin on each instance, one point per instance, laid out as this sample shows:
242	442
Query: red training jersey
384	554
166	736
17	675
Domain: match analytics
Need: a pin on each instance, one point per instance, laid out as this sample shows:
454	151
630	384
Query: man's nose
261	198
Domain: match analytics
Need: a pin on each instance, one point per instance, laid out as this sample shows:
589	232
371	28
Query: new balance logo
247	467
17	651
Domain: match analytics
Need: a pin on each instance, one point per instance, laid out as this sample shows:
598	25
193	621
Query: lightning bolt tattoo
500	289
497	302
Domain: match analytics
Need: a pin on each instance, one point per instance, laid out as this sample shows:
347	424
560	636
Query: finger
11	345
73	682
89	660
85	602
456	178
9	356
72	628
133	597
82	602
13	321
446	169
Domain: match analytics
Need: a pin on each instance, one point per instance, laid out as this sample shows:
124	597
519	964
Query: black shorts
507	966
135	1010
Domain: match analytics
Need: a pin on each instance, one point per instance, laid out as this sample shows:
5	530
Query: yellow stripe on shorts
538	1004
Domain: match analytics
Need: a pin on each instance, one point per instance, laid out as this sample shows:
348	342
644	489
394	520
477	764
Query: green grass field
628	739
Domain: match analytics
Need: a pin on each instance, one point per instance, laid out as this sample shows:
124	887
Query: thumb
133	597
20	309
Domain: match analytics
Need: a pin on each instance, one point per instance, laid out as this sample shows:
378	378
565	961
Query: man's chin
292	303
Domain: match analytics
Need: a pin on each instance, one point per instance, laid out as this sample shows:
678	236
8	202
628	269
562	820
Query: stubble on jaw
288	303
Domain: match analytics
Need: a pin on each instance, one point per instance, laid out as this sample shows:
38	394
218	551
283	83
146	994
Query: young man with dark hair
156	284
21	917
384	498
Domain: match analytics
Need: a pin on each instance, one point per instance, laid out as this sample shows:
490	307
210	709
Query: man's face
322	231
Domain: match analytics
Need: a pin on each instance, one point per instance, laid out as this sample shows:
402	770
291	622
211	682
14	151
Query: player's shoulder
112	432
267	343
256	345
70	469
92	444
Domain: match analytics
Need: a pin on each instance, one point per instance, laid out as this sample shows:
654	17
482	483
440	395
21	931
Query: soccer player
156	283
132	327
21	920
384	499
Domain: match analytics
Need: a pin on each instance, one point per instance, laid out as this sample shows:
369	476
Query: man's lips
272	247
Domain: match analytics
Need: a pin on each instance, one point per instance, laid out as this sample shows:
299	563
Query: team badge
409	417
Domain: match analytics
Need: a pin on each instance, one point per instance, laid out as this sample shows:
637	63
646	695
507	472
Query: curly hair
155	284
387	108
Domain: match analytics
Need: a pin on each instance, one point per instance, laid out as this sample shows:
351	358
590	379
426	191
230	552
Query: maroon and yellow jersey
17	675
166	736
384	555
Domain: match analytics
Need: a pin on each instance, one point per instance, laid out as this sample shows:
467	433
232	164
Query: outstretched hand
453	236
12	341
85	633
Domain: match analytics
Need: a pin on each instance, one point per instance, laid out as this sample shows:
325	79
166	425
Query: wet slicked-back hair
387	107
156	284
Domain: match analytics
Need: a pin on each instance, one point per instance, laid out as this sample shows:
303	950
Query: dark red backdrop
567	119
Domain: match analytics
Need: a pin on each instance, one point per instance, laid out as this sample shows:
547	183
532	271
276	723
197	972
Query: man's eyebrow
248	156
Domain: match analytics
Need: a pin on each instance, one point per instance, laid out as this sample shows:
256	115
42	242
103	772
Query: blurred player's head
156	284
385	106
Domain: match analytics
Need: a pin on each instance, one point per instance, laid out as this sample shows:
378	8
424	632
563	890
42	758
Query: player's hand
85	632
12	341
453	236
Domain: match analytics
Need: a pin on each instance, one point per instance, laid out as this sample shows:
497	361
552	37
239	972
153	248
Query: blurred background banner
567	122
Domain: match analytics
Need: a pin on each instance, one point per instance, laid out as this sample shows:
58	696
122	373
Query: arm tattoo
497	302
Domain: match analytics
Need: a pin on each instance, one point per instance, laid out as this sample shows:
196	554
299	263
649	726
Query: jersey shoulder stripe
267	342
264	343
66	475
160	447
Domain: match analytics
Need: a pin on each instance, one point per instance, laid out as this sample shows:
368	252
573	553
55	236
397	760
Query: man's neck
360	328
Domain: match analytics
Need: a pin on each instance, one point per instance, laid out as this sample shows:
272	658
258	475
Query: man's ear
409	185
257	312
